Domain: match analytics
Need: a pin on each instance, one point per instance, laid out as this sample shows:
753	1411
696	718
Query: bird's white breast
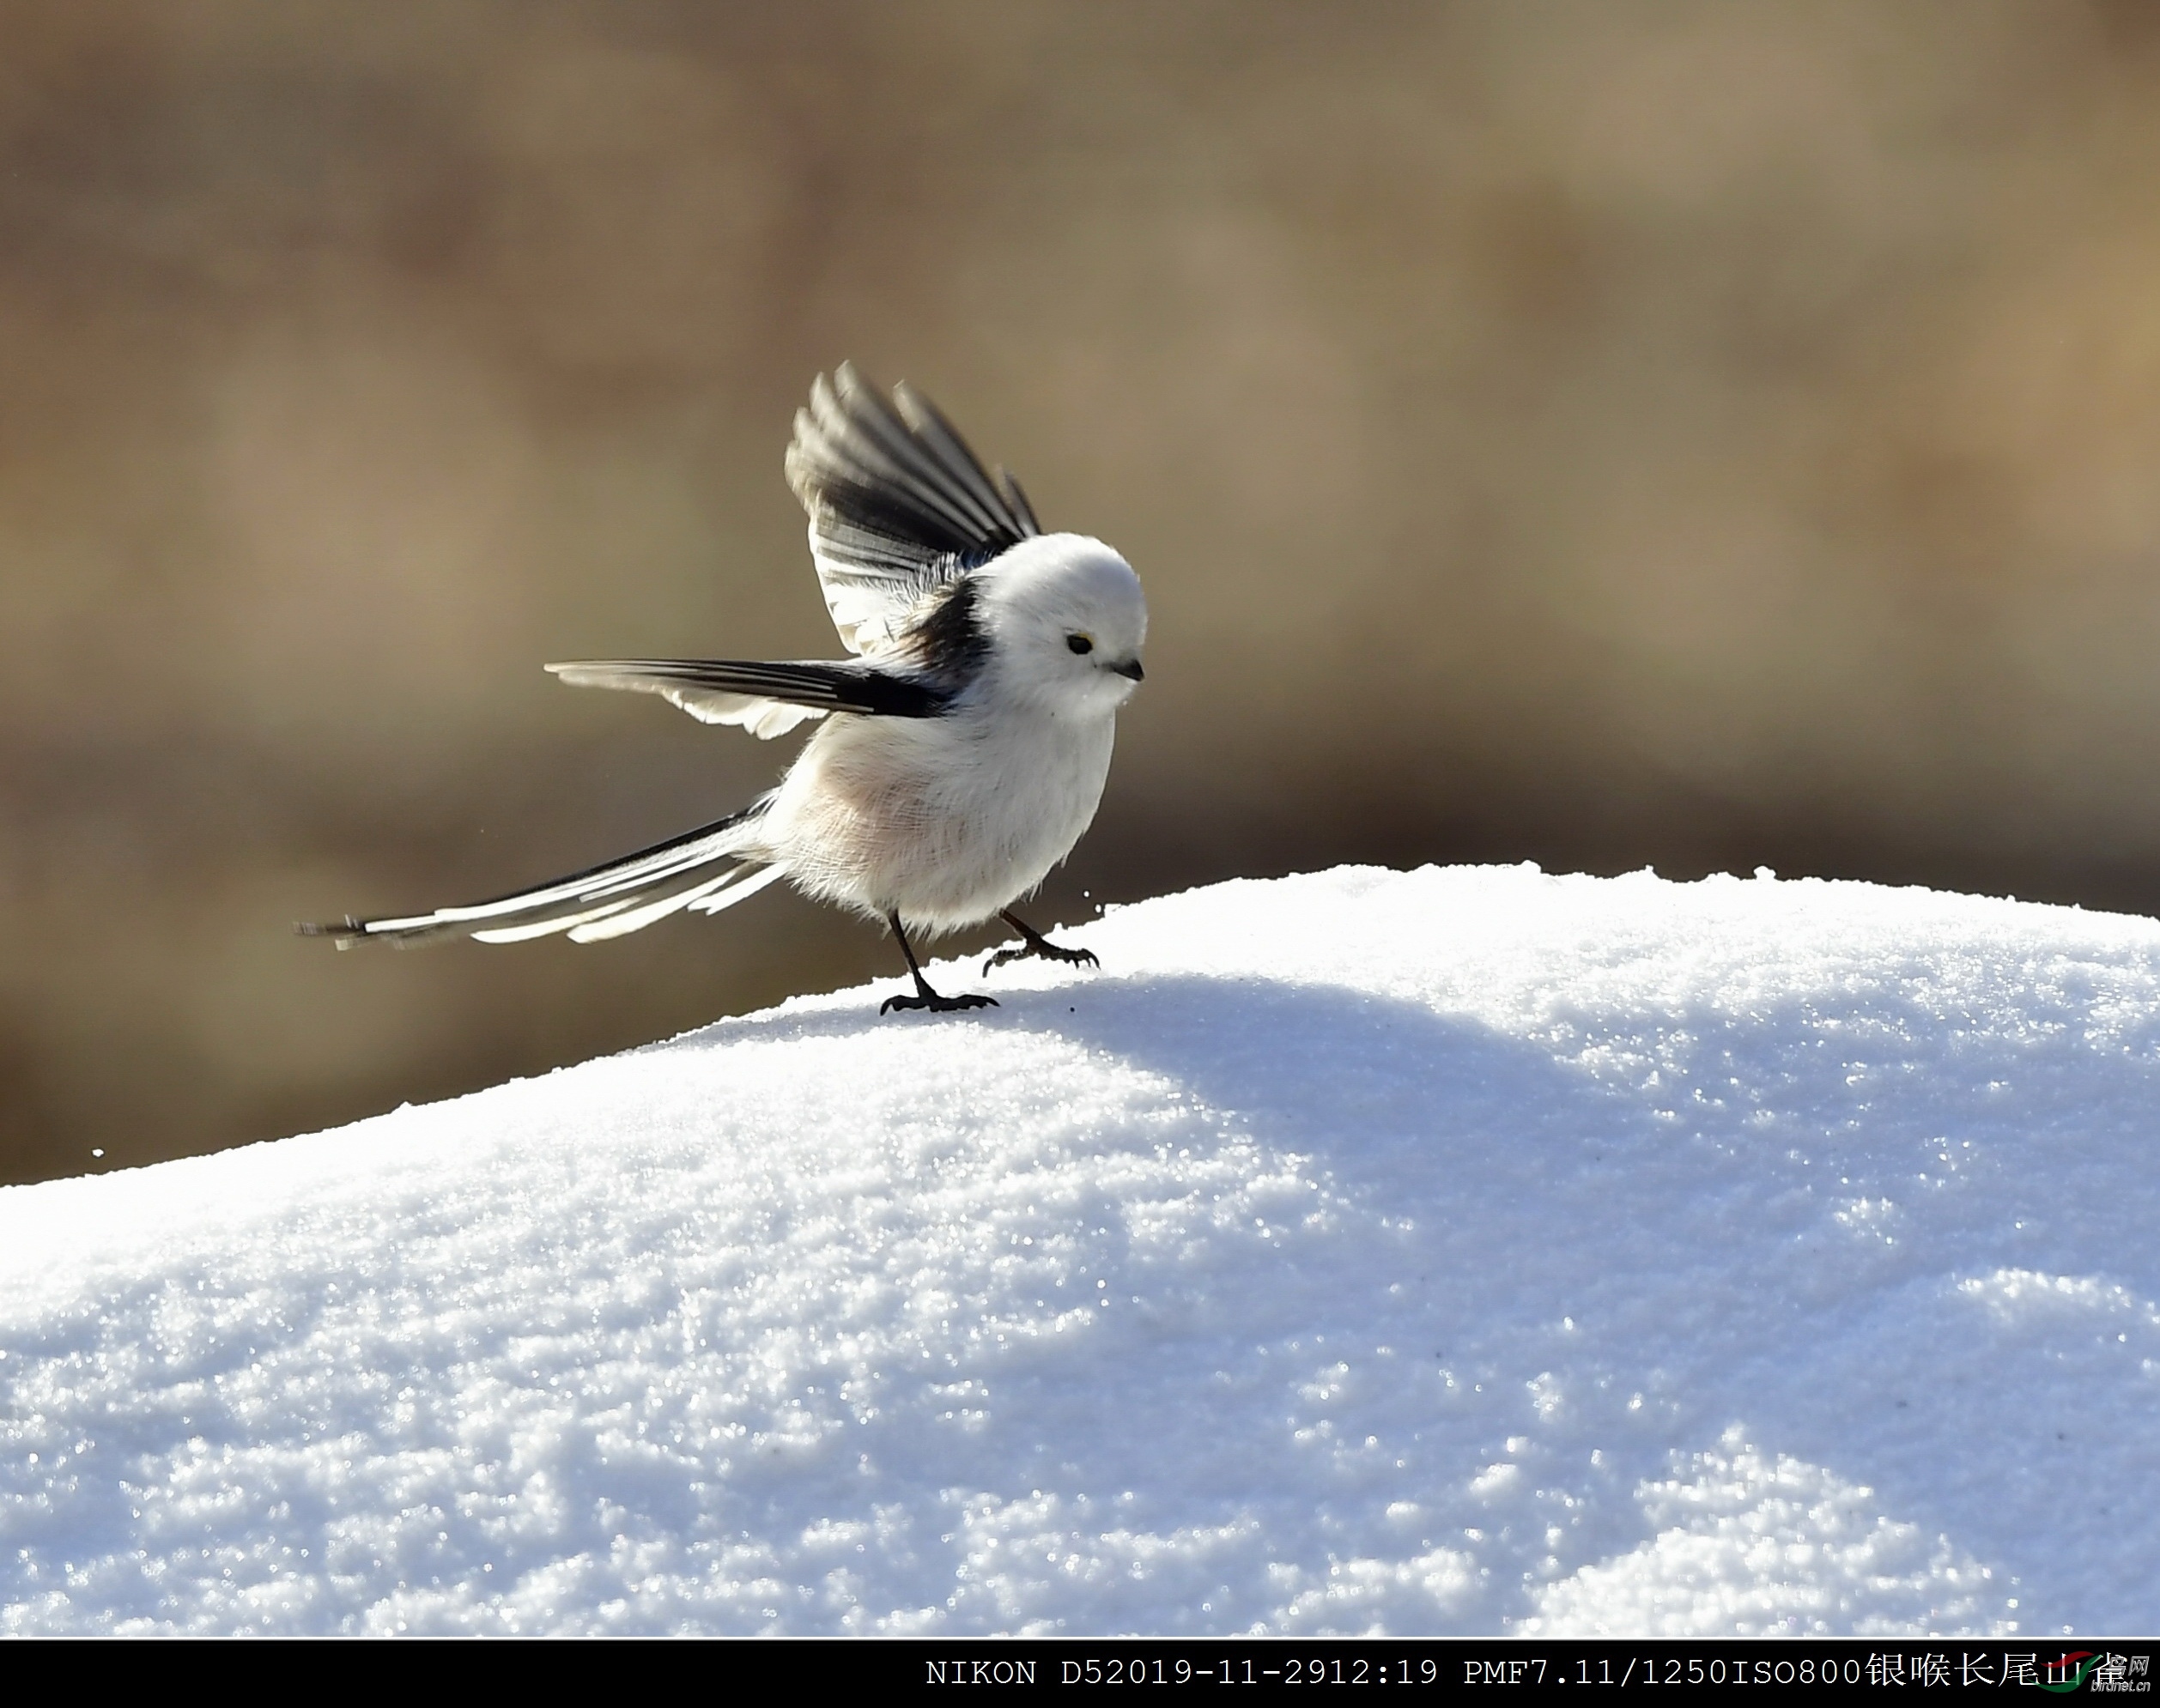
945	820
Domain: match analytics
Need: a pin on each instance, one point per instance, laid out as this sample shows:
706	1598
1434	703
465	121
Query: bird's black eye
1079	643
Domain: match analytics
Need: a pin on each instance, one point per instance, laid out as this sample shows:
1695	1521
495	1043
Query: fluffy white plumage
947	820
962	753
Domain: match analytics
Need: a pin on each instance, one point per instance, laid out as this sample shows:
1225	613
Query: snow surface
1463	1249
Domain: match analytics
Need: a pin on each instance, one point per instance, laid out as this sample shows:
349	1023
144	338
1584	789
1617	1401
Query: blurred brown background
1599	433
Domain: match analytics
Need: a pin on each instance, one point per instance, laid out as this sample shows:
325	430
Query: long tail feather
610	900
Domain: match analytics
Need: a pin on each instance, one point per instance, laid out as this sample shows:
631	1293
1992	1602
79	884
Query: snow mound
1463	1249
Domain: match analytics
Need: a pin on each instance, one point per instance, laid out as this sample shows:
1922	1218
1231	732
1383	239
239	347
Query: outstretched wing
898	503
702	869
767	699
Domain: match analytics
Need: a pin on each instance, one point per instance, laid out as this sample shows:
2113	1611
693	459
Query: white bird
963	750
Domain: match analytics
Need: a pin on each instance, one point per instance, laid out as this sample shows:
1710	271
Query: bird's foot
936	1004
1041	950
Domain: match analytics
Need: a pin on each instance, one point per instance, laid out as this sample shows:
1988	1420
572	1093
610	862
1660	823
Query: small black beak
1131	667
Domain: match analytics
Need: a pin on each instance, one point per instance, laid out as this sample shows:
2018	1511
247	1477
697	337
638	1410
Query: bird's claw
936	1003
1041	952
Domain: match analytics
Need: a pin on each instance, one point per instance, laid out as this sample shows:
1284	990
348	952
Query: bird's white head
1066	620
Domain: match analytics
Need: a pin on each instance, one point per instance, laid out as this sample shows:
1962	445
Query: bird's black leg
1038	946
924	997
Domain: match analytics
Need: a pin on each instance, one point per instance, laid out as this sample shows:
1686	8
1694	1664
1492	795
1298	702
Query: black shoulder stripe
949	641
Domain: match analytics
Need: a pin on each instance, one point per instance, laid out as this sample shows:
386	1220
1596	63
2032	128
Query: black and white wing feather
768	700
702	869
899	506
